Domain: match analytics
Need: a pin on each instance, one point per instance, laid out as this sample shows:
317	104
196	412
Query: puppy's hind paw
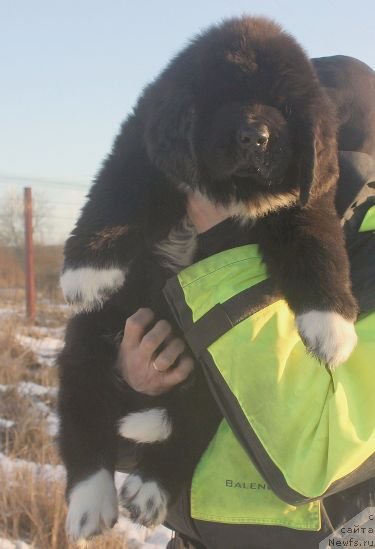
144	502
93	507
327	335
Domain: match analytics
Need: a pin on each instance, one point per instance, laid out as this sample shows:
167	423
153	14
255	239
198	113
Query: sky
71	70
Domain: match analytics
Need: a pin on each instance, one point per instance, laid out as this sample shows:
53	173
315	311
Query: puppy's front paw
327	335
145	502
87	288
93	506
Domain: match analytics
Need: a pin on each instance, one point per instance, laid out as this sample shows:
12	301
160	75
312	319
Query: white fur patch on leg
153	425
327	335
93	506
145	502
88	288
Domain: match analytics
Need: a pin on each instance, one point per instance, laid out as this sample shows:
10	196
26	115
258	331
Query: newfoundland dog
240	116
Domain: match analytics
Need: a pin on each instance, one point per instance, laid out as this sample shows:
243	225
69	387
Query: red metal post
29	255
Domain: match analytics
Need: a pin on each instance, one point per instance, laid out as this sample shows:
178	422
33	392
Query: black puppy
239	116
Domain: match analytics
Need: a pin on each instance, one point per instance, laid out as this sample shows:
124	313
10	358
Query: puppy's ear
169	131
112	229
312	120
317	152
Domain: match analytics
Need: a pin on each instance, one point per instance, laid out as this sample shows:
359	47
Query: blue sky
71	71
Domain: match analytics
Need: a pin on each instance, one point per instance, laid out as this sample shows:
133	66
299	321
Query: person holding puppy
150	372
148	368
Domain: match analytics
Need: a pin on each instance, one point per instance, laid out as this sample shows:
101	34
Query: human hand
141	365
203	213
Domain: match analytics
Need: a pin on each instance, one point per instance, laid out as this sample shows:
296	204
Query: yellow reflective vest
293	431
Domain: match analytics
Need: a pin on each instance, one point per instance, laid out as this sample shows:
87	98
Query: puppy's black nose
253	136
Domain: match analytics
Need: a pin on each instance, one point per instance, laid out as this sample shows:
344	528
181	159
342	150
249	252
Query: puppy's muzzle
253	138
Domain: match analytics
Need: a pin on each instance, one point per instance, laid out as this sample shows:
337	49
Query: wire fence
56	207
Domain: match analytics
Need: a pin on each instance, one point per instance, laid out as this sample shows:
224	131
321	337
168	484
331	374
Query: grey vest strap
221	318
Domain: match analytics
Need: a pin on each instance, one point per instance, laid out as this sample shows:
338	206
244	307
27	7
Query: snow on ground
45	471
44	348
31	389
35	391
138	537
7	544
6	423
8	312
45	343
51	418
48	331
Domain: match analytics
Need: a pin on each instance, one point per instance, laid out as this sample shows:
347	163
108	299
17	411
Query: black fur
193	128
183	132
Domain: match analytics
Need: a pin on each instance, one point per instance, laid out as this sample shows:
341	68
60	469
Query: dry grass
14	360
53	314
17	363
29	438
34	510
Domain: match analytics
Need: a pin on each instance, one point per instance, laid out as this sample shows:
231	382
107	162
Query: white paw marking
144	502
93	506
89	288
153	425
327	335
